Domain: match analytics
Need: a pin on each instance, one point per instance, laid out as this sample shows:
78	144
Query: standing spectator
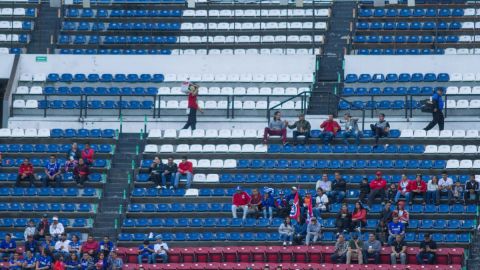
391	192
25	173
8	247
88	154
73	262
324	184
240	199
321	203
160	250
300	231
268	203
286	231
471	190
330	128
359	217
395	228
255	205
344	219
81	172
377	188
339	188
380	129
90	247
385	218
31	245
185	169
355	247
156	170
371	249
52	172
364	190
106	245
399	250
303	129
445	185
313	231
29	261
145	251
75	245
30	230
276	127
437	114
73	155
401	213
15	263
432	191
350	129
428	249
44	261
114	262
169	173
193	107
56	228
458	192
340	253
281	205
402	189
417	188
43	227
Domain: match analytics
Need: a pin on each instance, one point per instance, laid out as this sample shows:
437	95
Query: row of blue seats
391	148
82	133
400	51
393	91
274	236
105	13
96	104
409	26
393	77
100	26
39	162
56	192
51	148
22	38
82	39
23	222
115	51
18	236
408	12
67	177
101	91
340	164
382	105
106	77
405	39
44	207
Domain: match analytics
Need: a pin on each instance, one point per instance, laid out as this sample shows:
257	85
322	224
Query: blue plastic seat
351	78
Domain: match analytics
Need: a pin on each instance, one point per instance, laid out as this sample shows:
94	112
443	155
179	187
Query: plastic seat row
44	207
94	104
23	25
344	164
446	133
412	51
104	13
4	50
392	77
255	26
465	77
462	51
100	26
463	90
199	222
205	163
408	12
440	224
106	77
384	104
21	12
408	39
68	192
99	91
23	222
312	148
39	148
454	149
56	133
393	91
251	39
256	13
265	51
275	91
220	148
67	177
38	162
94	39
116	51
463	104
410	26
463	164
23	38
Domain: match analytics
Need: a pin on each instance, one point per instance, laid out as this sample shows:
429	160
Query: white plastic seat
273	103
172	104
462	104
450	51
182	148
468	77
452	90
265	51
228	51
31	104
268	39
278	91
250	133
249	105
213	178
208	148
452	104
22	90
260	148
320	25
183	104
238	105
19	104
458	133
230	164
452	164
291	91
224	133
199	177
261	105
36	90
198	133
221	148
201	13
456	77
419	133
470	149
18	133
307	78
19	12
239	52
406	133
248	148
471	133
223	26
166	148
445	133
465	164
476	164
188	13
283	78
186	26
234	148
253	91
279	39
276	51
251	51
196	148
433	133
246	77
289	105
211	133
170	133
443	149
457	149
204	163
295	25
210	104
226	91
431	149
238	133
271	78
151	148
185	133
43	132
226	13
468	25
265	91
474	104
6	132
30	133
26	77
240	91
469	12
296	77
233	78
191	192
465	38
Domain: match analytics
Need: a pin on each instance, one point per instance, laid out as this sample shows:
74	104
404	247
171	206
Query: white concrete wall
6	64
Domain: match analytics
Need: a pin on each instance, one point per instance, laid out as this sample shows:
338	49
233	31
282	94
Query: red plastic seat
385	255
244	254
215	254
456	255
201	254
230	254
258	254
339	267
442	256
412	255
130	266
272	254
382	266
188	255
300	254
175	255
131	254
286	254
212	266
326	252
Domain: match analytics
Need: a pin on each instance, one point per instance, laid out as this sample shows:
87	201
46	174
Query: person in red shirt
87	154
25	173
330	129
377	187
240	199
81	172
90	246
185	169
193	107
401	213
359	217
59	264
417	187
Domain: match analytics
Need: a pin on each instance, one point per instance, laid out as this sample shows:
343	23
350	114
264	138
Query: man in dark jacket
169	171
471	190
381	128
339	188
303	129
156	170
437	114
43	227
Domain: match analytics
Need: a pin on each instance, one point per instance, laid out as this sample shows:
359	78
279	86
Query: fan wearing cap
314	230
377	188
428	249
42	227
56	228
240	199
161	250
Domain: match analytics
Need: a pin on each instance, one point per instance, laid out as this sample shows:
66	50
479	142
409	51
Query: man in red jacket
25	173
87	154
330	129
417	187
185	169
240	199
377	187
90	246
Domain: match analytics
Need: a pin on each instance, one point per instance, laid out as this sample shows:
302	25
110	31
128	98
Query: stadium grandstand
256	134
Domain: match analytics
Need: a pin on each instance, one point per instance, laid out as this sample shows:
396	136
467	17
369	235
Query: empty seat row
462	51
104	13
454	149
255	26
408	12
251	39
200	222
23	222
23	25
67	177
94	39
209	148
411	39
465	77
344	164
38	148
394	91
463	104
463	90
56	133
463	164
401	51
23	38
99	91
402	77
257	13
68	192
312	148
275	91
384	104
446	133
411	26
21	12
115	51
100	26
106	77
94	104
275	51
43	207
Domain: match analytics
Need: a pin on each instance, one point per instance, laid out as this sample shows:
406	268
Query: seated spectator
350	129
73	155
432	191
268	204
185	169
75	245
52	172
72	262
340	253
32	245
380	129
395	228
402	189
417	188
391	192
445	186
43	227
364	190
48	245
371	249
15	263
321	203
156	171
355	247
428	250
101	262
401	213
91	247
29	260
30	230
300	231
344	219
81	172
399	250
385	218
471	190
44	261
87	262
25	173
106	245
313	231
458	191
303	129
8	247
377	188
330	128
114	262
276	127
255	205
324	184
169	172
286	231
59	264
282	208
56	228
339	189
359	217
88	154
240	199
160	250
145	251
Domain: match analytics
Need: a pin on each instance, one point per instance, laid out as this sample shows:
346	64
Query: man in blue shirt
395	228
7	247
29	261
48	245
106	246
31	245
52	172
44	262
15	263
145	251
437	110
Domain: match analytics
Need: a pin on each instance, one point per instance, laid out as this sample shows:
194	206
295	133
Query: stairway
116	191
473	262
46	27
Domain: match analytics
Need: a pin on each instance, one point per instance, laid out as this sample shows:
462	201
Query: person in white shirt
62	245
161	250
56	228
30	229
445	187
324	184
321	203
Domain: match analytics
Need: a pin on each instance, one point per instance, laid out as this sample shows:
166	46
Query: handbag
426	106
